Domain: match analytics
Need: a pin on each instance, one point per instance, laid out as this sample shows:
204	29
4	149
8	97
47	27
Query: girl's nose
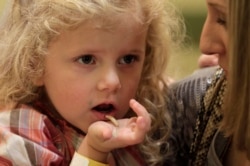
109	81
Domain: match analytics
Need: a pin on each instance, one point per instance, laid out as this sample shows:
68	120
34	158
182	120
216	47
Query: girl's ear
39	81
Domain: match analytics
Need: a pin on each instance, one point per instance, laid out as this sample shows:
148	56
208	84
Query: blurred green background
2	2
183	62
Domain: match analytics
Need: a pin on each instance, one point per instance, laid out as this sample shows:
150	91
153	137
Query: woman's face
214	39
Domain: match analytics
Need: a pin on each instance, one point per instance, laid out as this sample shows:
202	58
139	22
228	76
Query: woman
202	95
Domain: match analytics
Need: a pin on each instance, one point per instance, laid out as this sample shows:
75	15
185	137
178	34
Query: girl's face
92	72
214	34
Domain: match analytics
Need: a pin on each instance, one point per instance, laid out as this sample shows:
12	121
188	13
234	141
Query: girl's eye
86	59
128	59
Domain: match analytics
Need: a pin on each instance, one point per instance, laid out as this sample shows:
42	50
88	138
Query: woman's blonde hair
236	119
28	26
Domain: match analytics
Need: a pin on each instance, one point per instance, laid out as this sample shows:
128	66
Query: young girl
68	67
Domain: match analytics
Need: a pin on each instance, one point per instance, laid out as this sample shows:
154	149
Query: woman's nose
211	41
109	80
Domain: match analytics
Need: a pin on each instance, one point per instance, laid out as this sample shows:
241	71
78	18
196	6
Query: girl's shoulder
31	137
26	122
31	123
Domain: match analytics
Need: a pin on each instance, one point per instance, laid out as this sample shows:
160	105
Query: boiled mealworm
112	119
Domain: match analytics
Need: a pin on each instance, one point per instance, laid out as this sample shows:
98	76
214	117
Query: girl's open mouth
104	108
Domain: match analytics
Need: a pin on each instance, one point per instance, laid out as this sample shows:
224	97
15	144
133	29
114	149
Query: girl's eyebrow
137	51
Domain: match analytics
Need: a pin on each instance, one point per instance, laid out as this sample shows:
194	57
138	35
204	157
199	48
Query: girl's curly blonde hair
28	26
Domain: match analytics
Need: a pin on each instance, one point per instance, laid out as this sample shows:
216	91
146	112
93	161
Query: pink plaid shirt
32	137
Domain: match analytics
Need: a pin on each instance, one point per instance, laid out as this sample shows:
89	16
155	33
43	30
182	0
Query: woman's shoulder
218	149
184	103
195	83
189	91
